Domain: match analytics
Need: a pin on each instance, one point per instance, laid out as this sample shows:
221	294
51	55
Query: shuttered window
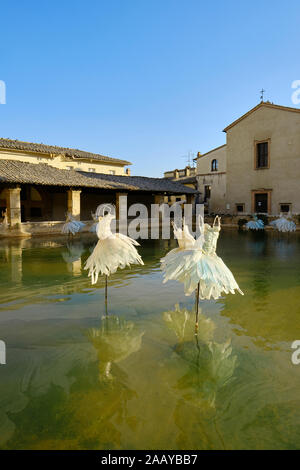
262	155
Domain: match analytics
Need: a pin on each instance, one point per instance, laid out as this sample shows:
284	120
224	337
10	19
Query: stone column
121	212
159	199
121	206
14	207
74	203
156	217
190	199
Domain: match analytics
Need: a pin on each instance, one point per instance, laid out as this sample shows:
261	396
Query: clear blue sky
143	80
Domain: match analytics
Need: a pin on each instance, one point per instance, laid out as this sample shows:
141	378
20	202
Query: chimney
198	154
176	174
188	171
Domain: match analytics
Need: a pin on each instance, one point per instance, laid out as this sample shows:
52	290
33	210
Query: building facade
35	194
62	157
259	167
211	179
186	176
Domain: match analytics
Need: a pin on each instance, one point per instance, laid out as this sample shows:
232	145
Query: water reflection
41	269
257	243
269	269
114	340
73	252
72	256
138	379
285	248
16	264
261	287
182	322
210	365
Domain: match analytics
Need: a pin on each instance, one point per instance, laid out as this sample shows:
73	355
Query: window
112	172
178	199
92	170
214	165
240	207
285	207
262	155
207	192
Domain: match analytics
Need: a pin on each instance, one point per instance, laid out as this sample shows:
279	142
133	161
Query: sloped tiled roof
53	149
209	152
12	171
185	179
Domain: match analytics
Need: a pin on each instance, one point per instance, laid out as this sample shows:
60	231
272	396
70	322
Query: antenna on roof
262	92
189	158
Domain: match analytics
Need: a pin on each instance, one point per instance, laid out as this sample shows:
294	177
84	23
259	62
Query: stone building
61	157
258	170
38	195
211	178
186	176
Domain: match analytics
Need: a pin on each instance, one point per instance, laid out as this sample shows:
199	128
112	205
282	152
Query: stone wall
282	177
215	179
61	162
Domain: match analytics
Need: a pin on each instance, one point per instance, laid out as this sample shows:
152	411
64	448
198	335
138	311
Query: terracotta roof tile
12	171
53	149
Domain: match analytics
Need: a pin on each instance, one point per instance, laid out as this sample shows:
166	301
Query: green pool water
138	379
